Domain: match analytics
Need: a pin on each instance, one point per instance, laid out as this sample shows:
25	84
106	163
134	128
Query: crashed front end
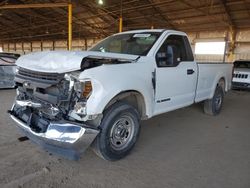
50	108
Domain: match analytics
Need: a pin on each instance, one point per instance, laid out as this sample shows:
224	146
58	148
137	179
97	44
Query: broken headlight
83	88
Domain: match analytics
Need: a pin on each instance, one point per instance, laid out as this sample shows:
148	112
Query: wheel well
134	98
222	83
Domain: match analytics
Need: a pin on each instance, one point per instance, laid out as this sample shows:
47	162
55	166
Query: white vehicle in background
7	69
66	100
241	75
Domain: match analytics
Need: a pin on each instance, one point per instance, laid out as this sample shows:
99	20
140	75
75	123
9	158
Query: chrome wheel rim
218	101
122	132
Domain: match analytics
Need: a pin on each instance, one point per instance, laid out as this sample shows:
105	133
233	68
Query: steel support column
69	26
120	24
231	55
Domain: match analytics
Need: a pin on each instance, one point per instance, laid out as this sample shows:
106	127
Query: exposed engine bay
46	97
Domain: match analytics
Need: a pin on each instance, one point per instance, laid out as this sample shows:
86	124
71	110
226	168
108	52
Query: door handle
190	71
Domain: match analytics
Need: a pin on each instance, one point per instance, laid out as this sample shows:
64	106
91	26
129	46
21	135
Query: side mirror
165	58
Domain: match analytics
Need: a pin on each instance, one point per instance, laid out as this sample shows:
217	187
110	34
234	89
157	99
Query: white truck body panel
110	80
182	92
175	86
208	77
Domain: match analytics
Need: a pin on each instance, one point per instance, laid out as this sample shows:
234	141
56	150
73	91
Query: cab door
175	74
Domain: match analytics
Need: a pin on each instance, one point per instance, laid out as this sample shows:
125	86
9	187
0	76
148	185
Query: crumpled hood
62	61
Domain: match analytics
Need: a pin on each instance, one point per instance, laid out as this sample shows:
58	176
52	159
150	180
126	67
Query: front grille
40	75
243	76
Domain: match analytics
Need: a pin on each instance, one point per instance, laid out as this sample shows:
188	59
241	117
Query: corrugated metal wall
242	50
33	46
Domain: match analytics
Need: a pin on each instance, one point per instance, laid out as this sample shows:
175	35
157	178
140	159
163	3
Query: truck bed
208	75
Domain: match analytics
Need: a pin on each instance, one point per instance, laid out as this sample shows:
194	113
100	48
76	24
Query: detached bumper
63	138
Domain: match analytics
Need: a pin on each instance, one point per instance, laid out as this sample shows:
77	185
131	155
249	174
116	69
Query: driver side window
172	52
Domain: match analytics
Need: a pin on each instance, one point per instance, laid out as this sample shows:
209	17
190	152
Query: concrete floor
180	149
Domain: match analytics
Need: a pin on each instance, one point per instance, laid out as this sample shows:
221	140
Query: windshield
242	64
132	43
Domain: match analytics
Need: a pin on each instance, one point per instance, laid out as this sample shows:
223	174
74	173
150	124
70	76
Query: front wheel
119	132
213	106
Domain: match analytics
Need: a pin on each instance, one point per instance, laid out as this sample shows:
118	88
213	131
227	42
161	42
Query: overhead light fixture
100	2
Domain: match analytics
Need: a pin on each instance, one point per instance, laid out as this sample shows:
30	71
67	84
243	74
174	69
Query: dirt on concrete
181	149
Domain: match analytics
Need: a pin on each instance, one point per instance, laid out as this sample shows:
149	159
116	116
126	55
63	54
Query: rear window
242	64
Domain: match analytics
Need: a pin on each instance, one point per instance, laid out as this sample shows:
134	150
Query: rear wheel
213	106
119	132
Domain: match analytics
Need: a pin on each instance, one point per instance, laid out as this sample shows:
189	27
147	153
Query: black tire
114	129
213	106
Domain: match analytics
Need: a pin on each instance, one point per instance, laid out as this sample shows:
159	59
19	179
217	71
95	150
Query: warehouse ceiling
90	19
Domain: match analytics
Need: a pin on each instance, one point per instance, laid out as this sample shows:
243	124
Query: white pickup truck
68	100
